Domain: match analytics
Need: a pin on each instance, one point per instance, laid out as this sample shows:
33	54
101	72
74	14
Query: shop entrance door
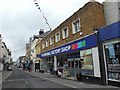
77	67
74	66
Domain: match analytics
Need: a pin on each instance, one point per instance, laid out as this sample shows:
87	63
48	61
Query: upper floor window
76	26
43	45
51	40
46	43
57	37
65	32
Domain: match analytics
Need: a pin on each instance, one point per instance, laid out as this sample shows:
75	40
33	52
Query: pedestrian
30	65
23	65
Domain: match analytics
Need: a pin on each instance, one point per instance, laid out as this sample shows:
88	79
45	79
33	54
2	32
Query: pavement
4	75
71	83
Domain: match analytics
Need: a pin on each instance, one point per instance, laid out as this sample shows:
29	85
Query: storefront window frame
83	65
107	42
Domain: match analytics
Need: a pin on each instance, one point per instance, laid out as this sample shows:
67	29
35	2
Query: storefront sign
57	51
84	43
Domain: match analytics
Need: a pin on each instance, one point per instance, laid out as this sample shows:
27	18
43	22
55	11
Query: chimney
30	40
92	1
41	32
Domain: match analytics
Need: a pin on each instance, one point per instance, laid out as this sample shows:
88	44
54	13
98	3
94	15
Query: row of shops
94	58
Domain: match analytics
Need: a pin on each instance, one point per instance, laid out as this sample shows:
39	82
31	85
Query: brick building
72	46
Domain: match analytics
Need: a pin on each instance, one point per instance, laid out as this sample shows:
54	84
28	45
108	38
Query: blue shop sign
88	42
109	32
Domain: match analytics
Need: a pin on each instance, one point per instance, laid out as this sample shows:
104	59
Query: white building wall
96	62
0	47
112	11
1	65
33	52
5	53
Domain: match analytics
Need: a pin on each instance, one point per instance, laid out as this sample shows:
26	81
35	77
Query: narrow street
20	79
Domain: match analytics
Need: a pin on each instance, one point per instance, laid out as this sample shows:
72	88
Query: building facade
39	62
111	52
1	64
33	48
5	55
72	46
110	42
28	54
85	46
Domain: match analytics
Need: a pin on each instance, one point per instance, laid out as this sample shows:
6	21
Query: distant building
32	48
38	46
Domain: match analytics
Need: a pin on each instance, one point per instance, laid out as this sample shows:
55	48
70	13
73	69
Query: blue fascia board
91	41
110	31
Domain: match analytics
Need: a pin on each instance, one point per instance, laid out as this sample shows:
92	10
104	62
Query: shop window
87	62
112	53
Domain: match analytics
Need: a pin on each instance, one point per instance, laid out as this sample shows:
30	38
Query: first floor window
57	37
51	40
47	43
76	26
65	32
43	45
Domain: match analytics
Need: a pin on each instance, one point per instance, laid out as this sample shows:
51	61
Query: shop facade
111	52
80	57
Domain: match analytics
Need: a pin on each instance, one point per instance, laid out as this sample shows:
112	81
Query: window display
112	52
87	62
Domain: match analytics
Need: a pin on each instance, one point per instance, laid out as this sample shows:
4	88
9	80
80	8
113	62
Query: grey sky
20	19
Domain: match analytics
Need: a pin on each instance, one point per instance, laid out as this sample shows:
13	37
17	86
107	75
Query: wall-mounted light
81	33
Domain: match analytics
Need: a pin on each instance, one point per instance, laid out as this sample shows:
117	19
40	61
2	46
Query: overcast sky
20	19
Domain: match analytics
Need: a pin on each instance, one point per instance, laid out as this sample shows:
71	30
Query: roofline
74	14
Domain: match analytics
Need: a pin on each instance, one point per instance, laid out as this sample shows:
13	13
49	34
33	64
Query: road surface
21	79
